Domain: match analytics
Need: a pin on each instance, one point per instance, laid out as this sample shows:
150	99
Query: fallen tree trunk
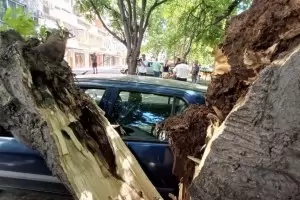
254	154
41	106
250	142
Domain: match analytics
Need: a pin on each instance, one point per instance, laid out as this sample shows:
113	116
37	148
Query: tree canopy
191	29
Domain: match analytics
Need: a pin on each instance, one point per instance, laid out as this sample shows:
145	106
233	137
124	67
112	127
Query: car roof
145	80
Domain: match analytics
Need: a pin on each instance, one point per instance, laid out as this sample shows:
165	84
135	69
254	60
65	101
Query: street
114	70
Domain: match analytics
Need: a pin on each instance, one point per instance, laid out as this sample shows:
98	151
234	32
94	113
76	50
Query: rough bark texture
267	31
41	106
131	60
254	155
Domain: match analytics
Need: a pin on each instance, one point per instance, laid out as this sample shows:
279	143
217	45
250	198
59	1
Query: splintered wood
42	107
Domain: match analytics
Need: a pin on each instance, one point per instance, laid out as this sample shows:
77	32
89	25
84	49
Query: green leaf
183	21
20	21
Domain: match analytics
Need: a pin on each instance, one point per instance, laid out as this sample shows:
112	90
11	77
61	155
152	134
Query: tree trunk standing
132	56
41	106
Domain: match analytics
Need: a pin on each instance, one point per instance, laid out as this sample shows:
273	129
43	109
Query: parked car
23	169
149	69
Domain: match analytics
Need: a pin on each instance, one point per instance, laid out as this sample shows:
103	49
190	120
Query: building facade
89	37
28	5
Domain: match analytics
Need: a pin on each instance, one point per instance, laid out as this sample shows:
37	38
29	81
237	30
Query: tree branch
129	12
123	41
228	12
189	47
125	22
144	4
134	23
155	5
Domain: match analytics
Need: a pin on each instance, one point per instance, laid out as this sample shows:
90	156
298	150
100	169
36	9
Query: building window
2	8
79	60
13	4
4	4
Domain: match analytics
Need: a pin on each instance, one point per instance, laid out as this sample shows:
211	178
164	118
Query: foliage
20	21
192	28
42	33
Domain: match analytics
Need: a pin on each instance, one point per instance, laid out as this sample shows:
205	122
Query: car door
23	170
139	114
149	69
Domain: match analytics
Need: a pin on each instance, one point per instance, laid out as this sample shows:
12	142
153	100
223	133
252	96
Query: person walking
181	71
141	68
156	66
94	63
195	71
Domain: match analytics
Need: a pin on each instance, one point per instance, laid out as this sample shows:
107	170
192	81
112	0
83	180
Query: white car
149	68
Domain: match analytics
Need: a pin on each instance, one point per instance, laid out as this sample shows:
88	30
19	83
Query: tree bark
254	154
41	106
188	48
131	58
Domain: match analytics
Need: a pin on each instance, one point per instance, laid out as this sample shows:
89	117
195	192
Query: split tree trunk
41	106
255	153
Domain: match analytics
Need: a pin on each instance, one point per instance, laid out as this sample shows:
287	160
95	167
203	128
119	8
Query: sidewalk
100	67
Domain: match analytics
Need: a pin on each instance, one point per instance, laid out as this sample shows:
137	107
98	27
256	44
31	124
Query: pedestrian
195	71
165	70
94	63
156	66
141	68
181	71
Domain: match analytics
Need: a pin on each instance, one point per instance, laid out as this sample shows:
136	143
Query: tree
200	27
127	21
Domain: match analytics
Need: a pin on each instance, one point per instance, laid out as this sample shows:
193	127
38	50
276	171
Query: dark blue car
137	105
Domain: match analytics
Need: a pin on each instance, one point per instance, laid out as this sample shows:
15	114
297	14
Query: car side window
179	106
140	114
95	94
